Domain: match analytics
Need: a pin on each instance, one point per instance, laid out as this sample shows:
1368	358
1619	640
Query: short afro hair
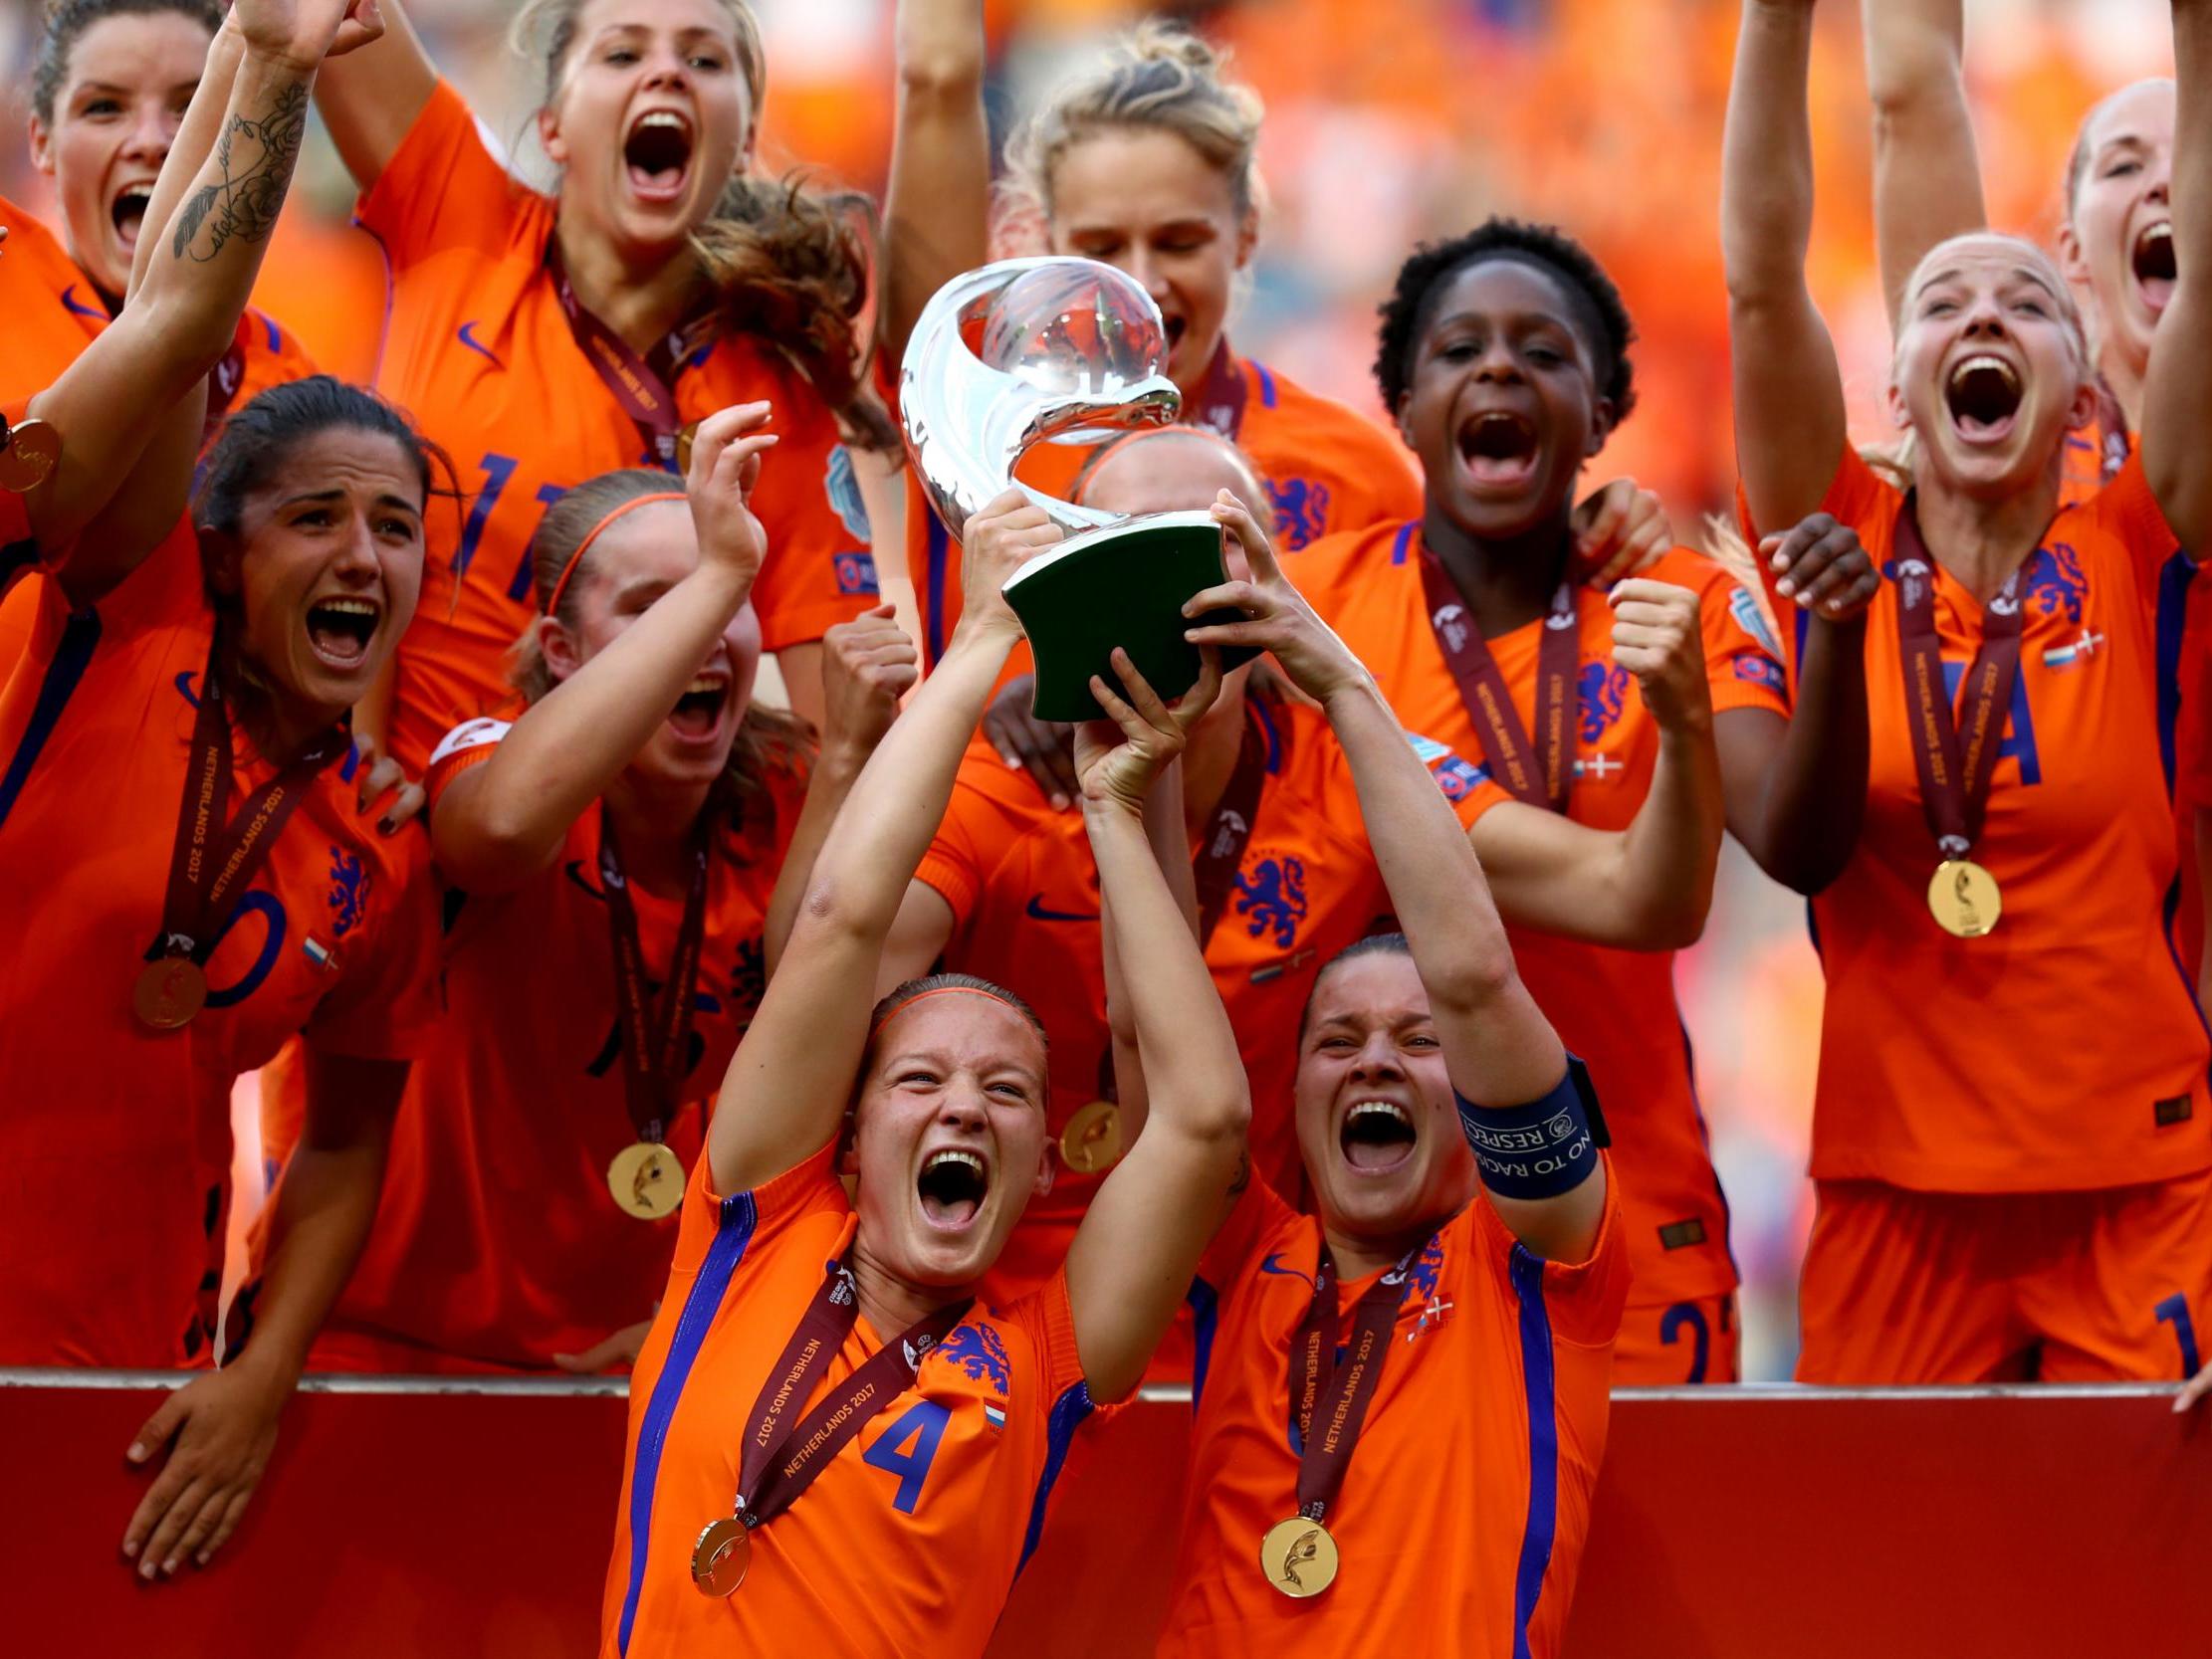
1601	315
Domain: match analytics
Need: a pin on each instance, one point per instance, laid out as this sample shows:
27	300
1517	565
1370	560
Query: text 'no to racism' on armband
1543	1149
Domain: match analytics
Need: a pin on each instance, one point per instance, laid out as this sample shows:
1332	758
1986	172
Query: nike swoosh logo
468	338
1038	913
1273	1264
76	307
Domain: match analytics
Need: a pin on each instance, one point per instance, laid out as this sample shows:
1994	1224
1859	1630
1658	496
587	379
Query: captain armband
1544	1149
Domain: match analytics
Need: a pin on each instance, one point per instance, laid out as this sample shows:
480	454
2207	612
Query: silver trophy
1057	350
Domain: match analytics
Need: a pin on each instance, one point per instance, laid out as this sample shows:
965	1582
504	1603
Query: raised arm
501	823
2177	394
937	205
792	1077
1499	1048
372	101
1141	1240
131	397
1927	176
1789	393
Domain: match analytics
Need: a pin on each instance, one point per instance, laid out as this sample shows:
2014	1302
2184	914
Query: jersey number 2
924	1425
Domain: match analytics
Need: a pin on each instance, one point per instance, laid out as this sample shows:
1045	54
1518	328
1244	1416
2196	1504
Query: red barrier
1748	1523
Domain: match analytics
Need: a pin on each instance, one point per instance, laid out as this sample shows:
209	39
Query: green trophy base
1123	586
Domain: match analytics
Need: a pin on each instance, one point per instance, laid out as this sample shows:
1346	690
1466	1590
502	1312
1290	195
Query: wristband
1543	1150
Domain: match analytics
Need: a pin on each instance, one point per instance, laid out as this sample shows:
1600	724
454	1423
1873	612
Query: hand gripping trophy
1059	350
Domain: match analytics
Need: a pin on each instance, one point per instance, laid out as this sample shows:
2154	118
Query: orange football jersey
1614	1008
1326	468
910	1538
1023	890
480	352
334	938
498	1243
1461	1519
2068	1053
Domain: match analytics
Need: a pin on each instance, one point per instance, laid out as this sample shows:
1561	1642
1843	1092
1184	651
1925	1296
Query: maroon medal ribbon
1539	773
215	855
1329	1398
1955	758
656	1035
224	382
1230	830
638	385
768	1480
1220	406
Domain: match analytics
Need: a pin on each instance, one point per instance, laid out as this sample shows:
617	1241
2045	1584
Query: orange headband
552	599
944	990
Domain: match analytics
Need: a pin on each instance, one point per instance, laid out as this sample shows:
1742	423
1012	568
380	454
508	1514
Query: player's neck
889	1302
654	823
276	726
1505	581
1359	1254
2125	382
641	300
1209	757
1981	541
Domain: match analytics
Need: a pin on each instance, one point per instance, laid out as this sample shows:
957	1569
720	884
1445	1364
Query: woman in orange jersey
2010	1129
546	340
1505	354
609	860
1402	1398
180	825
875	1488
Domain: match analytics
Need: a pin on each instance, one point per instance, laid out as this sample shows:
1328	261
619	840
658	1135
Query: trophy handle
967	426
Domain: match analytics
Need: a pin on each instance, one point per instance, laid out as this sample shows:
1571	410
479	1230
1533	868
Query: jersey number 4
907	1449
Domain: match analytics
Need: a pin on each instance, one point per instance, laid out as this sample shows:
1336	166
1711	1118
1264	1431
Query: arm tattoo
245	201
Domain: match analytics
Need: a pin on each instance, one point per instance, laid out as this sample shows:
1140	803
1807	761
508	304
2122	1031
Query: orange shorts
2104	1286
1664	1345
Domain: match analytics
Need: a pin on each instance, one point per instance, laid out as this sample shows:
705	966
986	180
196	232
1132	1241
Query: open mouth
340	630
697	711
129	212
1498	447
1177	328
1983	396
2153	264
658	156
1378	1136
952	1187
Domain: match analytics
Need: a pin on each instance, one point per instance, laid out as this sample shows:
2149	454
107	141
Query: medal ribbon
1230	830
1514	761
1318	1381
214	855
768	1486
224	382
656	1036
1223	395
638	385
1955	774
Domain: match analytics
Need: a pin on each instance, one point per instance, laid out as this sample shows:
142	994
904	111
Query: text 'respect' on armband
1544	1149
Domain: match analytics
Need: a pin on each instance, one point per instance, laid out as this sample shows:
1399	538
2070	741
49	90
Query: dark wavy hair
258	439
65	23
1600	314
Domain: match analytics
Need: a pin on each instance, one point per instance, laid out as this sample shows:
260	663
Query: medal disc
720	1558
647	1180
1091	1142
1299	1557
169	993
28	456
684	439
1963	898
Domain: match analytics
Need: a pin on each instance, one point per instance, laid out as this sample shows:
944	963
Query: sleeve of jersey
1743	659
970	843
2130	509
467	745
715	1225
1049	1317
1582	1301
387	1000
442	188
1467	785
1245	1234
1856	496
820	570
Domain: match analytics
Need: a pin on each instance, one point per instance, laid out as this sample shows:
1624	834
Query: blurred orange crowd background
1389	121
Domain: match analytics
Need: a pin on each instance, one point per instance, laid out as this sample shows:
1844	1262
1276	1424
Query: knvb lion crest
1301	509
979	1351
348	895
1603	686
1273	896
2052	581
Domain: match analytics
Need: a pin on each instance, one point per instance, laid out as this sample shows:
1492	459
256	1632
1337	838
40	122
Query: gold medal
169	993
684	438
720	1558
1298	1557
28	456
1091	1142
1963	899
647	1180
